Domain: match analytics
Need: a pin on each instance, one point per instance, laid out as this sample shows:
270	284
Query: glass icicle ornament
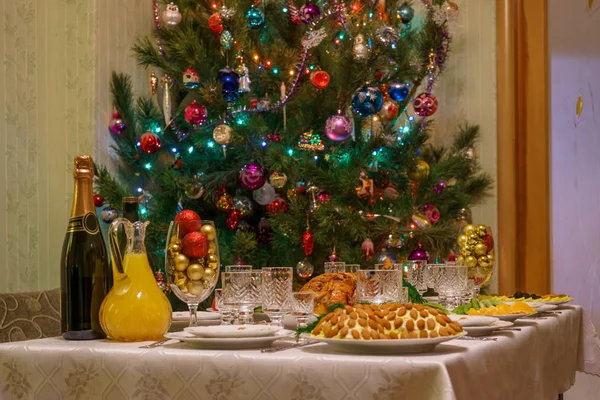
166	82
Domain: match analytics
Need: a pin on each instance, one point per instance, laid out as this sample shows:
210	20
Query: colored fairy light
143	210
275	71
191	149
174	150
148	166
255	57
264	144
290	152
211	144
285	9
138	144
140	190
316	158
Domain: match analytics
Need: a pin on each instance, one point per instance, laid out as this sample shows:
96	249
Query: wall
574	68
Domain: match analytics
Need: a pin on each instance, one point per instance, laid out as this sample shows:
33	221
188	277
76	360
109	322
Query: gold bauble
291	193
180	262
224	202
209	274
195	272
421	221
483	261
482	230
467	251
470	262
421	171
209	231
492	259
180	279
212	247
462	240
473	238
212	261
278	180
174	249
175	240
469	230
195	287
460	260
480	249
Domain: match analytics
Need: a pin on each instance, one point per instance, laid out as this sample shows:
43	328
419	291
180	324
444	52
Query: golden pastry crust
332	288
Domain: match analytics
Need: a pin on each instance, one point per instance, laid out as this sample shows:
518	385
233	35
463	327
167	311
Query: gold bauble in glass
460	260
212	247
462	240
209	274
195	272
175	239
180	279
209	231
174	249
180	262
470	261
195	287
483	261
212	261
482	230
480	249
469	230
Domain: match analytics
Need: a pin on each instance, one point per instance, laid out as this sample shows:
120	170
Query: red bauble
233	218
277	206
195	245
188	221
98	200
320	79
489	242
425	104
215	23
253	102
149	143
308	242
195	114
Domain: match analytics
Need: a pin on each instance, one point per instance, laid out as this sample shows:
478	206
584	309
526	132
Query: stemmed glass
303	305
192	275
276	290
416	276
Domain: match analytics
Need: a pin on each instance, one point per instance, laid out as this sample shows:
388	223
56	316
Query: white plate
201	315
233	331
546	307
512	317
230	343
534	304
473	320
385	346
177	326
486	330
560	302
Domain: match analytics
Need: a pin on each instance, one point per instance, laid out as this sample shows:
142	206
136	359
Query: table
538	362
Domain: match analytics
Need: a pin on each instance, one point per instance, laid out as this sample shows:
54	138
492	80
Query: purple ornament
418	254
431	213
309	12
333	257
252	176
338	127
117	125
324	197
440	187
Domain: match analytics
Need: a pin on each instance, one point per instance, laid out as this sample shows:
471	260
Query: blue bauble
255	18
367	101
398	91
406	13
230	83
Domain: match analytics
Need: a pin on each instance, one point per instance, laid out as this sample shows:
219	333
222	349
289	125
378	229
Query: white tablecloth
539	362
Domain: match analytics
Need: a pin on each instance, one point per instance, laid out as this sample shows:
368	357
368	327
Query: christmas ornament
209	274
323	196
300	187
464	214
212	247
222	134
108	214
224	202
233	218
252	176
367	101
171	15
440	187
180	262
255	19
149	143
308	242
117	125
195	245
191	79
387	36
264	231
406	13
389	110
188	221
367	248
311	141
215	23
320	79
304	269
166	82
244	227
477	253
425	104
195	272
98	200
153	83
390	193
338	127
195	191
360	51
431	213
244	80
244	205
229	81
211	234
398	91
178	162
333	256
312	190
309	12
421	221
161	281
431	67
277	206
365	191
226	39
195	288
265	195
418	254
293	12
227	13
278	180
174	249
421	171
370	128
195	114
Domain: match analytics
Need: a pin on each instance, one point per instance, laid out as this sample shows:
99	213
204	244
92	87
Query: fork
483	339
155	344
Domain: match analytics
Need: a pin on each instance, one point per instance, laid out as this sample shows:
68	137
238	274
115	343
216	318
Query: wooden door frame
523	146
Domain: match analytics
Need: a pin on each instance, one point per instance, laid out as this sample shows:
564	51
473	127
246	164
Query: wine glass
303	305
192	263
276	290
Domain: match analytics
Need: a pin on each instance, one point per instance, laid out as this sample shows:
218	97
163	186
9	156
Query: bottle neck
83	201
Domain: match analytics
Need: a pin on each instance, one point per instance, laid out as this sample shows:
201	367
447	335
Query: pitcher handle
113	242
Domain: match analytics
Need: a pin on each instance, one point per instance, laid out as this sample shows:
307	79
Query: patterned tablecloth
538	362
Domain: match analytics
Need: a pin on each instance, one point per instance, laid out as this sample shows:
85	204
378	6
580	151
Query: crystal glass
303	305
335	267
226	314
238	268
192	276
237	294
352	268
469	291
428	277
416	274
276	290
388	266
450	283
403	299
378	286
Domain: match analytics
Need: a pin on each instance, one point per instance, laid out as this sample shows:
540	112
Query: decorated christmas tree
301	129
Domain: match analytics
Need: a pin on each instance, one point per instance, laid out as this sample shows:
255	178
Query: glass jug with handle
135	309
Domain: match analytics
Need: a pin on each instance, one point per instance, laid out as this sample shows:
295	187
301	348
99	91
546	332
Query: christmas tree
300	129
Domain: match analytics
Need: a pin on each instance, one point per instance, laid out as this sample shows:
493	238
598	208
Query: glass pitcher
135	309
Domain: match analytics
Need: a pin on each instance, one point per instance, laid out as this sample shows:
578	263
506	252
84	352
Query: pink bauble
252	176
418	254
431	213
117	125
324	197
338	127
195	114
425	104
309	12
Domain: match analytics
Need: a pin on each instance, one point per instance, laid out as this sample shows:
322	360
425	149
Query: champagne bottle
85	275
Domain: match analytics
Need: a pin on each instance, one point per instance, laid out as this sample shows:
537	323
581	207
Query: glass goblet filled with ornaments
192	259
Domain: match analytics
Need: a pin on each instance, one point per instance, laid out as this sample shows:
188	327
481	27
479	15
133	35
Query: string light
174	150
268	63
191	149
275	71
140	190
255	57
210	144
290	152
292	72
148	166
